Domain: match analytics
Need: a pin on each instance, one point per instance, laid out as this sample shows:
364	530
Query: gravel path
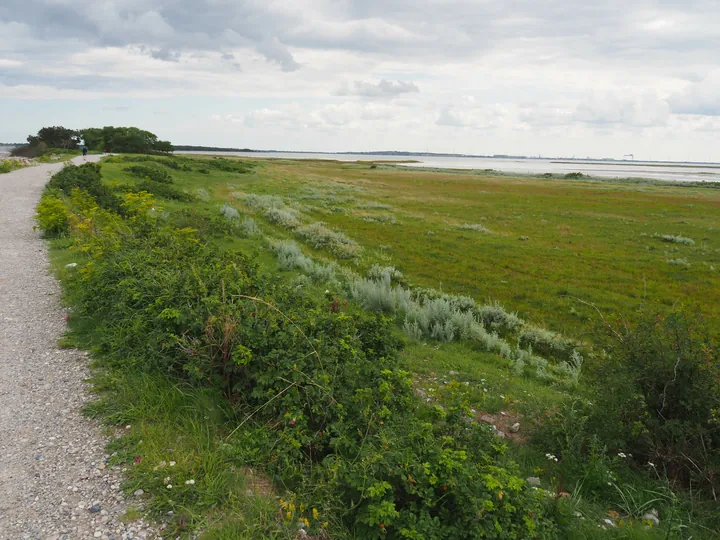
52	459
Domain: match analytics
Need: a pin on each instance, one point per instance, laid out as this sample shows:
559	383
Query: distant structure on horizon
631	156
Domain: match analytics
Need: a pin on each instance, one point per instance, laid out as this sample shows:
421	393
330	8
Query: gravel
53	466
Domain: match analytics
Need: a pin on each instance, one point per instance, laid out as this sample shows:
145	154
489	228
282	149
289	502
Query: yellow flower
315	514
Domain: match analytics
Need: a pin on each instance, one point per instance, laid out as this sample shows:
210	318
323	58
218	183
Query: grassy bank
235	336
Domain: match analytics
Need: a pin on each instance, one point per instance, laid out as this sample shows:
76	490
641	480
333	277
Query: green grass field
548	241
557	252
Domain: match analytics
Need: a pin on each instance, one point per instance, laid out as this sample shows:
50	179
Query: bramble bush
655	399
658	397
329	411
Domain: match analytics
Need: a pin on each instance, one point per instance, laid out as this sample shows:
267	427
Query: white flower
167	480
622	455
551	457
189	482
327	291
169	486
172	463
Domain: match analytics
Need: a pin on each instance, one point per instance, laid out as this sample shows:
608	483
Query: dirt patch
504	422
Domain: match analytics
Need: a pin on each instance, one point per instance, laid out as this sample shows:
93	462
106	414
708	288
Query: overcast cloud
557	77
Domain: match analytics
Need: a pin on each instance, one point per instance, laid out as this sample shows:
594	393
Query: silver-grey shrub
379	273
285	217
229	213
474	227
250	228
319	236
675	239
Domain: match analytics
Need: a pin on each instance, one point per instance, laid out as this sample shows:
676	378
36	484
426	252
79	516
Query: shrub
382	273
9	165
229	213
250	228
150	173
474	227
679	262
674	239
658	397
285	217
165	191
206	226
202	194
319	236
52	215
86	177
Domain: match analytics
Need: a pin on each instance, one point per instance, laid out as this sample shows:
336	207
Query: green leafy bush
151	173
86	177
658	397
655	400
52	215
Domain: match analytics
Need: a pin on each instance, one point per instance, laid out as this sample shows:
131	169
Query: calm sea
701	172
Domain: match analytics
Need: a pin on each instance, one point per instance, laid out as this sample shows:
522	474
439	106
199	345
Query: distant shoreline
558	160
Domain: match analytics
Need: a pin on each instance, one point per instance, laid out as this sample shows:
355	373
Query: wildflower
167	480
315	514
169	486
172	463
189	482
137	459
551	457
622	455
292	422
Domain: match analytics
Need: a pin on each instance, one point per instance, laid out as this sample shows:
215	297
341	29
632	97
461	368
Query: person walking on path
84	151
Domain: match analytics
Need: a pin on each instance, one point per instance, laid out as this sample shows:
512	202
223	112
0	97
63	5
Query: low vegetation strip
230	366
327	410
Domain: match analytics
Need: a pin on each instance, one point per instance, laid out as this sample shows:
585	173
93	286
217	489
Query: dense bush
52	215
151	173
86	177
229	165
656	399
328	410
162	190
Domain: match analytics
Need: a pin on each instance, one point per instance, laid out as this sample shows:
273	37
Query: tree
56	137
114	139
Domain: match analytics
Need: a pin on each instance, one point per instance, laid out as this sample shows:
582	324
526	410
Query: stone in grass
515	427
533	481
139	493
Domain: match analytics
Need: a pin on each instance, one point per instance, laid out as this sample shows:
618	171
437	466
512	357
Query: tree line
131	140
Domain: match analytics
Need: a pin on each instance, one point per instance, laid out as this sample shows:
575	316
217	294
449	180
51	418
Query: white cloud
701	98
367	72
383	89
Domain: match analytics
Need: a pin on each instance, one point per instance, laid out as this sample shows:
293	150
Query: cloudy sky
550	77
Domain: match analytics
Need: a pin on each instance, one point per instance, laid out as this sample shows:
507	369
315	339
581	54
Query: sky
524	77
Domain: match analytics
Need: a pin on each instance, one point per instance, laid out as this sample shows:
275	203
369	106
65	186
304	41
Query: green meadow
506	294
536	245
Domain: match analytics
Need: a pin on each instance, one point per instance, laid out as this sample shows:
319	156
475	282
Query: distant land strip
639	163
